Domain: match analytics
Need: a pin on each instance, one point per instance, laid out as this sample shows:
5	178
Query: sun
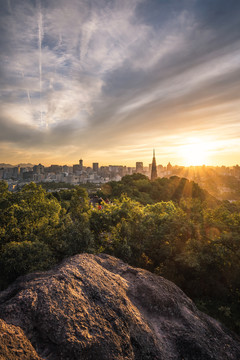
195	152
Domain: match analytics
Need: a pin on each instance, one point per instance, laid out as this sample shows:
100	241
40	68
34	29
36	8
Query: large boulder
97	307
14	345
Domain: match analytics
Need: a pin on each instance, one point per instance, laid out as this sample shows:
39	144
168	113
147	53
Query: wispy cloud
108	74
40	38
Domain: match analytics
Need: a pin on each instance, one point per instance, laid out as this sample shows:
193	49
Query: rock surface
14	345
97	307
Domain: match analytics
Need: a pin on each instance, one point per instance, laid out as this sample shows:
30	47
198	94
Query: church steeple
154	167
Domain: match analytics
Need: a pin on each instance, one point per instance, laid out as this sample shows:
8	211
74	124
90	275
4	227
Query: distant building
129	170
55	169
80	164
76	168
38	169
104	171
28	175
38	177
66	169
95	167
116	170
169	167
16	171
154	167
8	173
139	167
160	171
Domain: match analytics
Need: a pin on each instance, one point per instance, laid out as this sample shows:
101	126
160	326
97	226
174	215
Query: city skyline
109	81
99	163
222	182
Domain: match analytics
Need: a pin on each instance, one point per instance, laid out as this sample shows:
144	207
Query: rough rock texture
14	345
97	307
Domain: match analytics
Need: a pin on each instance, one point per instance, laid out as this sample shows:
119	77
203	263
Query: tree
28	212
19	258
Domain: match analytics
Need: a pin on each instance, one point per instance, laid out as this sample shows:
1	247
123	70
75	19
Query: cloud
105	74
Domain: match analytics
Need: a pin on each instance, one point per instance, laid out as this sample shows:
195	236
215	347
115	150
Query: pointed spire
154	167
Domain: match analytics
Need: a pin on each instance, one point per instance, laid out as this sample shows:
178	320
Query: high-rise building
154	167
38	169
80	164
55	169
160	170
16	171
76	168
95	167
139	167
65	169
169	167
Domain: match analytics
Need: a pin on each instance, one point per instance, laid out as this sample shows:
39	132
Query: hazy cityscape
221	181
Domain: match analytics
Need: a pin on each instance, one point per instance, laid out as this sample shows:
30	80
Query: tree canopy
169	226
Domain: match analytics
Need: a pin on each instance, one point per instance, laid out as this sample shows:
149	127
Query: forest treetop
170	226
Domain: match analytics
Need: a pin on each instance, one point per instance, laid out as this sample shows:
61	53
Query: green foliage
27	213
18	258
138	187
79	203
73	237
5	196
37	229
168	226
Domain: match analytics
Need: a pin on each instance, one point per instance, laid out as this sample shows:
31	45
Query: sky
109	80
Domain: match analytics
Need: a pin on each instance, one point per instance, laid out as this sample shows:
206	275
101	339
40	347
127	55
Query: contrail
27	91
9	6
29	98
40	37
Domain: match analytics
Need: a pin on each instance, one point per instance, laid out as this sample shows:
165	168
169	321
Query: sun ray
194	152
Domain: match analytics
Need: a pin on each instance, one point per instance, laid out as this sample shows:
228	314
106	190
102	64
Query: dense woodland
169	226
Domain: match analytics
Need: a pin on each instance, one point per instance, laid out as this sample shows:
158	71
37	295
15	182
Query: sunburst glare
195	152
